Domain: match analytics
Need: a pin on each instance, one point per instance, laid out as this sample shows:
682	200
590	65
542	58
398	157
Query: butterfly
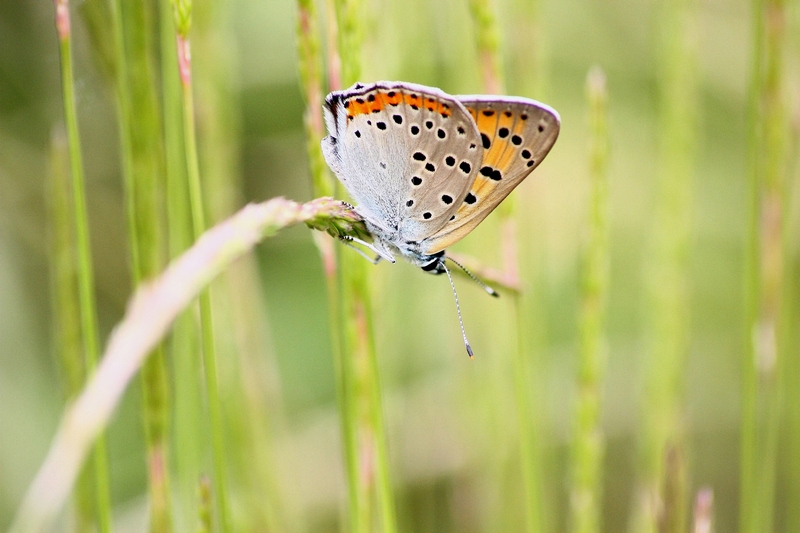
425	168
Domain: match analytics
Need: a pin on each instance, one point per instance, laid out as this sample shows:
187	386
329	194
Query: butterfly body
425	167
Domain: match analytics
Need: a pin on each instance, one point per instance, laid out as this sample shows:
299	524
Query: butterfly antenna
485	287
458	310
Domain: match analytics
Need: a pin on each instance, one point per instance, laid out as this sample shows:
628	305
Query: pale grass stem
150	314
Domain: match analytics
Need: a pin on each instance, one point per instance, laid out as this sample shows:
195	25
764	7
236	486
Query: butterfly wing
516	134
406	154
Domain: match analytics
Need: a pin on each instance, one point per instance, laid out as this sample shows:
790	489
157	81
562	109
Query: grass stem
370	495
197	209
88	311
667	271
66	306
145	232
149	315
589	443
765	282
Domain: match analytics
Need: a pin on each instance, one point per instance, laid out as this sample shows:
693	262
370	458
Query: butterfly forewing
516	134
407	154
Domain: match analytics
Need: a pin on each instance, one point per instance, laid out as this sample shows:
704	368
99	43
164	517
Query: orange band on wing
376	101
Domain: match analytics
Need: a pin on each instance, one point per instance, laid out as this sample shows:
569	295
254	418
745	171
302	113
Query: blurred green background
451	423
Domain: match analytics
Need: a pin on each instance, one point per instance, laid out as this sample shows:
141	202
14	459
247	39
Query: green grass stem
766	269
186	432
589	442
487	34
310	66
88	311
66	305
370	496
145	233
667	269
487	31
791	371
182	24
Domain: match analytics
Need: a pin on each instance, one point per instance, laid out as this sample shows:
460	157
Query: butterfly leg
381	255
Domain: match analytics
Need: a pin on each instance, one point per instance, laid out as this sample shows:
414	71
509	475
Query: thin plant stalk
765	282
182	25
88	311
66	306
589	443
371	500
186	431
491	66
668	285
249	378
310	66
145	228
487	34
150	313
791	371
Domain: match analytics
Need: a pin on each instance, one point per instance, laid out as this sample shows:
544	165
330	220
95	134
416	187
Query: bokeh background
451	423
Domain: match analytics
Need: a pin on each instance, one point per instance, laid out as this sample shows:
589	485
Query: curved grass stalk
150	314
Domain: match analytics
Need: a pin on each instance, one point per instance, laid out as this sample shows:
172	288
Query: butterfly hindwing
516	134
407	154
